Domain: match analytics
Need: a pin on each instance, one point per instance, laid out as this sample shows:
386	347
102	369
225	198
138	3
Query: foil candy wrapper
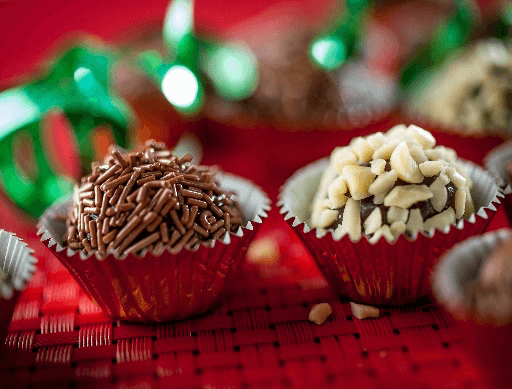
383	273
17	265
151	288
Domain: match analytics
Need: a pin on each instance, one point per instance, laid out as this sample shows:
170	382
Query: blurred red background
32	29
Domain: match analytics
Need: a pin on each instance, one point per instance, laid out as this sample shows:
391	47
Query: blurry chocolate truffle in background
489	295
291	90
471	92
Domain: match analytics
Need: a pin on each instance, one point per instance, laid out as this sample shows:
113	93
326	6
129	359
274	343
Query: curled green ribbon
330	50
77	84
452	34
231	69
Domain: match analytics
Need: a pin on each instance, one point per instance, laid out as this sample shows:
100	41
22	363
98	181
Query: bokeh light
181	87
233	71
329	53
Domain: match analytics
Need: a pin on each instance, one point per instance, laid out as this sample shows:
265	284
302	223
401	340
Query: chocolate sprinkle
149	200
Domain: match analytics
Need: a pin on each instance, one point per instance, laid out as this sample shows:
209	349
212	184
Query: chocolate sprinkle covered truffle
149	200
393	183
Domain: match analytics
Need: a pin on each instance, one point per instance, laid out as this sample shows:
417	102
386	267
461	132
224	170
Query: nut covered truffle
473	89
389	184
149	200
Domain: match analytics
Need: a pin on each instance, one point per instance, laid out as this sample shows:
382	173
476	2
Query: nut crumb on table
263	251
364	311
319	313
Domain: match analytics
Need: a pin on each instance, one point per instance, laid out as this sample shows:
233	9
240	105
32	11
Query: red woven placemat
259	337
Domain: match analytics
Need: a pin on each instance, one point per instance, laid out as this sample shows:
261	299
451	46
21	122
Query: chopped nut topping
396	214
385	151
415	222
440	220
425	138
336	193
378	166
407	195
431	168
373	222
398	228
438	189
376	140
384	185
405	165
344	159
418	154
361	311
358	180
382	231
319	313
460	203
327	217
351	224
456	177
362	149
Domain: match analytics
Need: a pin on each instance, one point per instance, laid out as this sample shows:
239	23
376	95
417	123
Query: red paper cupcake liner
383	273
496	162
18	265
166	287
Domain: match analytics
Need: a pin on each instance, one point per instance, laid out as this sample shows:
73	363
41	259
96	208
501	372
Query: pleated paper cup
17	267
488	344
169	286
382	273
496	163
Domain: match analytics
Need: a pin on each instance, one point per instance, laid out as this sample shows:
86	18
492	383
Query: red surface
259	336
32	30
489	347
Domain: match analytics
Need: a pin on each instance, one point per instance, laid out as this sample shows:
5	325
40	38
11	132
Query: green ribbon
231	69
452	34
77	84
331	49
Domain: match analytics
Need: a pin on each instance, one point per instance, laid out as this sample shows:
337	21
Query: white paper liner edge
297	194
16	262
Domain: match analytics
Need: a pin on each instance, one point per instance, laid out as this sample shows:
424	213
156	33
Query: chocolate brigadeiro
149	200
392	183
